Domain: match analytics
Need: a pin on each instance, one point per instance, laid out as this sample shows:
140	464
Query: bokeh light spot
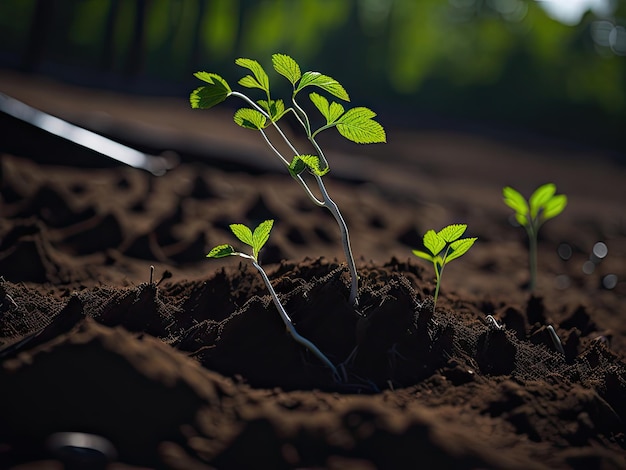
600	250
589	267
564	251
609	281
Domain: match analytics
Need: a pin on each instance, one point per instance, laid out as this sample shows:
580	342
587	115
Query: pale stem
288	323
327	201
532	260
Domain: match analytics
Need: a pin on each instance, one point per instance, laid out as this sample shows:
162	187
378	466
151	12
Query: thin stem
289	324
532	261
345	240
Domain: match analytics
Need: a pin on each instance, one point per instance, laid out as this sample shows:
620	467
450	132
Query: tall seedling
543	204
356	124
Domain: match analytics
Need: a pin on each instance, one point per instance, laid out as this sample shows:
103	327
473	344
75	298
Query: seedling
444	246
256	239
543	204
356	124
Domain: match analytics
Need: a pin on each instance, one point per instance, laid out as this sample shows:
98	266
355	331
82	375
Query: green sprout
356	124
444	246
543	204
256	239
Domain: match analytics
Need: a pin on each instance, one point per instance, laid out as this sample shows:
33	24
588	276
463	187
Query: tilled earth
187	365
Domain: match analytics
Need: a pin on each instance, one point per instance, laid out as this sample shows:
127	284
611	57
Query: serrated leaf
434	242
299	163
515	200
358	126
287	67
275	108
243	233
459	247
541	195
554	206
260	79
423	255
324	82
260	236
452	232
221	251
250	118
209	95
331	111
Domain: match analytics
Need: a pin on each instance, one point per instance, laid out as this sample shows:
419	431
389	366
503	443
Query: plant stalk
289	324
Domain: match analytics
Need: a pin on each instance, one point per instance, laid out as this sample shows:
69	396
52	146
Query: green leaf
260	79
358	126
515	201
434	242
554	206
324	82
287	67
221	251
459	247
541	195
423	255
275	108
243	233
250	118
452	232
522	219
331	111
299	163
260	236
209	95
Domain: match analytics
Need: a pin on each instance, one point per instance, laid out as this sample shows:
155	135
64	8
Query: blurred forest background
494	64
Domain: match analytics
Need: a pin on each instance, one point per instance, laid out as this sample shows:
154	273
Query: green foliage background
490	61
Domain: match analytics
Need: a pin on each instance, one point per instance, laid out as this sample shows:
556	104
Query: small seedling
356	124
444	246
543	204
256	240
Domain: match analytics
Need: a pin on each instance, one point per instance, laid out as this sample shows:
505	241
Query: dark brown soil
193	369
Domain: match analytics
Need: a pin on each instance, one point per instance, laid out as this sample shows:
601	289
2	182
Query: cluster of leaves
256	240
355	124
444	246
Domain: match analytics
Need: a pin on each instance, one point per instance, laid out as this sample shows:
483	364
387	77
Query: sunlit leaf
459	247
287	67
324	82
434	242
358	126
331	111
554	206
299	163
243	233
515	200
452	232
260	236
541	195
260	79
275	108
423	255
250	118
209	95
221	251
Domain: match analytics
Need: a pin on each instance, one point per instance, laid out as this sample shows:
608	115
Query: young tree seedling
543	204
444	246
256	239
356	124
